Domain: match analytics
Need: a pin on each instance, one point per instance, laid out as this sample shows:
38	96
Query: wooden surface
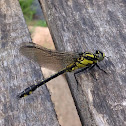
80	25
17	72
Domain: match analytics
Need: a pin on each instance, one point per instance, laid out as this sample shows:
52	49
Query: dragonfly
55	60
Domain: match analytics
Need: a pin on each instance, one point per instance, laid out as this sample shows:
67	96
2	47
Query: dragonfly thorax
86	59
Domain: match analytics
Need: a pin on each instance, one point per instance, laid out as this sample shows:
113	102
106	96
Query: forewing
47	58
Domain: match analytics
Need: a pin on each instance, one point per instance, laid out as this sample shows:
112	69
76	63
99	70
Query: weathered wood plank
16	73
80	25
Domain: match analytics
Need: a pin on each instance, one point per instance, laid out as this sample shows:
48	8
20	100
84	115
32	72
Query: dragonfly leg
83	69
101	68
79	71
76	80
93	76
91	73
89	68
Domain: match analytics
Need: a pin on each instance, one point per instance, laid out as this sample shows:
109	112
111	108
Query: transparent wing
47	58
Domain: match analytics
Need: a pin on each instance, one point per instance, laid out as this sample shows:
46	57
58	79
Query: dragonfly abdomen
33	87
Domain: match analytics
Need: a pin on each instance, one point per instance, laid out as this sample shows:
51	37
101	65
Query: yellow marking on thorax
82	62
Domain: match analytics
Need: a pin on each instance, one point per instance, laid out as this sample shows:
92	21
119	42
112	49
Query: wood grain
81	25
17	72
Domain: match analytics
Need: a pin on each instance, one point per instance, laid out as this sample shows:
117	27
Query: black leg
89	68
81	70
91	73
101	68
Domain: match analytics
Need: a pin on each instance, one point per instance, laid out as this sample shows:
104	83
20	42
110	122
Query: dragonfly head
100	55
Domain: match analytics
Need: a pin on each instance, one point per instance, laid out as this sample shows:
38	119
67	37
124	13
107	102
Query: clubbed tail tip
27	91
20	95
